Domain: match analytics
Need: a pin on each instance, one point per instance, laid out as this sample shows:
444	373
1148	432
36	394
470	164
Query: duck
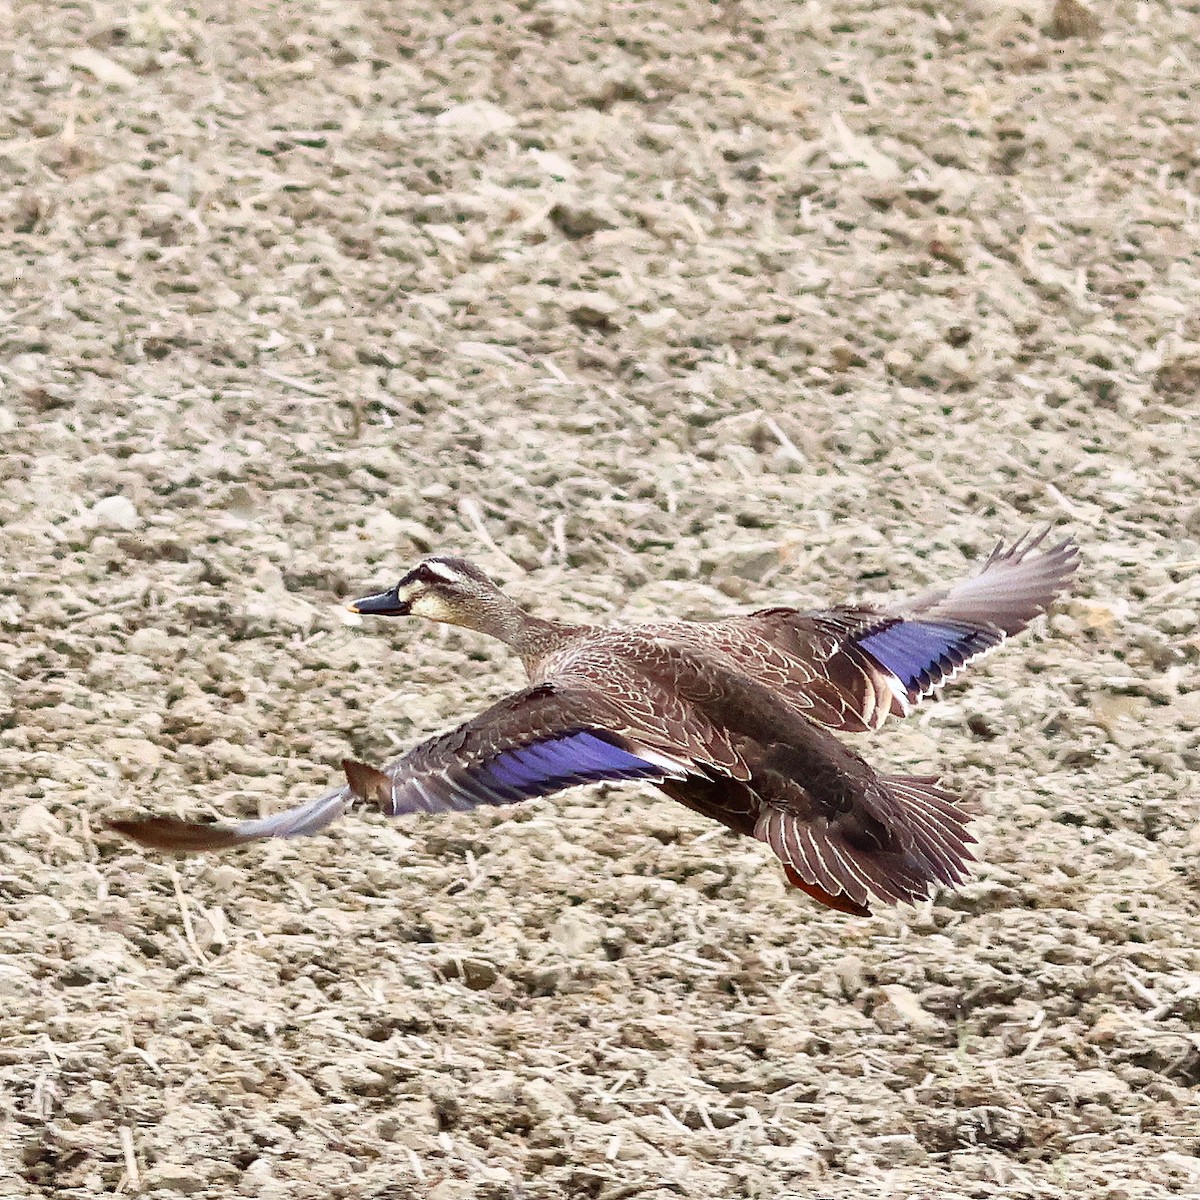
736	718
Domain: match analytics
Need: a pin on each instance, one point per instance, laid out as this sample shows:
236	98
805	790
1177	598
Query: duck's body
732	718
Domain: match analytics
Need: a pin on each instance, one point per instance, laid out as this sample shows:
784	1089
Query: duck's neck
530	637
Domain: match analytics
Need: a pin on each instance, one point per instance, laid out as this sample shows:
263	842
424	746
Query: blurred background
664	309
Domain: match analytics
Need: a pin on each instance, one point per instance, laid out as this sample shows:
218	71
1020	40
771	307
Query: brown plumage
732	718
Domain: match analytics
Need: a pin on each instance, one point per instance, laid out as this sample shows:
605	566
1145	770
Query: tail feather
920	840
938	822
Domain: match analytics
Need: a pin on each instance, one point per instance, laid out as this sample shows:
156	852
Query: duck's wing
536	742
172	833
850	668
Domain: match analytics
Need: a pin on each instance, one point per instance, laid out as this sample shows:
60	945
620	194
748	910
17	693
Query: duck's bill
382	604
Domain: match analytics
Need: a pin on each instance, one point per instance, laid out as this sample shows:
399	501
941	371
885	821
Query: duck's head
441	589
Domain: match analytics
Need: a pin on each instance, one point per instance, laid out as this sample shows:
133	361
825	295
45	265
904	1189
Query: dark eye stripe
419	574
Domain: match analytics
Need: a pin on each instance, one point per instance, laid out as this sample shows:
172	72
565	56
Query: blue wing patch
922	654
544	767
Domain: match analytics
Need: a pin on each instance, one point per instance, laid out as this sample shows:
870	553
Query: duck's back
674	686
763	768
800	670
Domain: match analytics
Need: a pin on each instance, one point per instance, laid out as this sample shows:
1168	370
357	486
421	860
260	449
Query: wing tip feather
173	835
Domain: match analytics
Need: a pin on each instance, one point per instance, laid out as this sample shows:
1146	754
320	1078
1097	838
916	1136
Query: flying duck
734	718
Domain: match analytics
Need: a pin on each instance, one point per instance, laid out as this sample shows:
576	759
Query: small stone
340	355
239	759
477	973
452	1189
578	220
274	607
748	560
796	1156
134	757
1106	1028
733	586
1178	376
851	974
476	118
894	1149
487	352
148	642
37	821
102	68
1179	620
1070	19
947	364
239	503
577	935
1099	1087
900	1009
81	1109
590	308
95	967
544	1101
174	1177
115	512
982	895
385	529
8	421
658	319
553	164
16	982
1094	615
104	548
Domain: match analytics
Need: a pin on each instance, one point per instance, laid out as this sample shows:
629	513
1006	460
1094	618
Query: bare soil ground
652	308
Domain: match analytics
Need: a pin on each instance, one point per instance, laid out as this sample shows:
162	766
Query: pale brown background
652	308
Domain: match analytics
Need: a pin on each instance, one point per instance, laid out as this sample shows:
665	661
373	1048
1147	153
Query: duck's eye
430	574
422	573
